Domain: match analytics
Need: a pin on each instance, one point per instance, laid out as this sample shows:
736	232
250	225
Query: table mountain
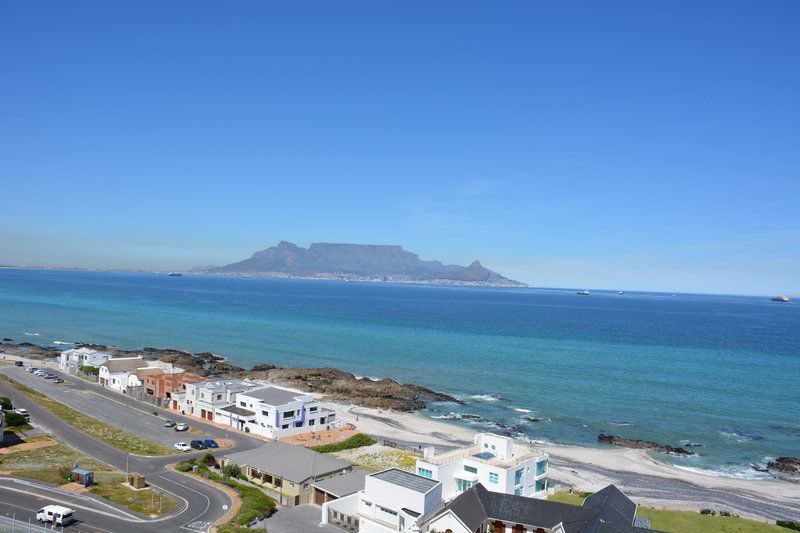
361	261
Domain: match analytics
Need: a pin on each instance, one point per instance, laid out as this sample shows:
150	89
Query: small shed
82	476
136	480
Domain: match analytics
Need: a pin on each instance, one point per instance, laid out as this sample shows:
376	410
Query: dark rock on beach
642	444
785	465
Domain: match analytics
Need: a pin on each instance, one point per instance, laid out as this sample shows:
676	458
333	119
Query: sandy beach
650	481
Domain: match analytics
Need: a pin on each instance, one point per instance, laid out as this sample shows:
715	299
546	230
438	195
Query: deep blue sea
723	371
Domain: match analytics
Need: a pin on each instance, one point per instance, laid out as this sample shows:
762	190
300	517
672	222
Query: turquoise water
723	371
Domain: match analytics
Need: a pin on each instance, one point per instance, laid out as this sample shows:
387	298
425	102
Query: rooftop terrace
479	455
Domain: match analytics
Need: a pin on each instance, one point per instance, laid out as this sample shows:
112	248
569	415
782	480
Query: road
202	504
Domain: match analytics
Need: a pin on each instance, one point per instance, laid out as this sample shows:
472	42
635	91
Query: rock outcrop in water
785	465
642	444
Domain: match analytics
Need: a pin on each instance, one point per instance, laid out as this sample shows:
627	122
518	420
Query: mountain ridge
357	262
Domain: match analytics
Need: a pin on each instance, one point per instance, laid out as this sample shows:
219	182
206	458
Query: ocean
543	364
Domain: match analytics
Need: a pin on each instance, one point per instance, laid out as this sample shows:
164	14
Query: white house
392	500
495	461
204	398
72	360
115	373
275	412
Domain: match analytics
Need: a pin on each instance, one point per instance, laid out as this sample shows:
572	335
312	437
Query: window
242	404
464	485
518	492
541	467
312	409
494	478
264	413
518	476
322	420
470	469
541	484
288	414
311	421
285	426
424	472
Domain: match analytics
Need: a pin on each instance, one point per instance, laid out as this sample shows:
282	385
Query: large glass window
541	484
470	469
424	472
541	467
518	476
494	478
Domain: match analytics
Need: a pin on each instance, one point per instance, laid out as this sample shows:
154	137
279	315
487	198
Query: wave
33	334
487	397
63	342
371	378
521	410
740	435
620	423
736	472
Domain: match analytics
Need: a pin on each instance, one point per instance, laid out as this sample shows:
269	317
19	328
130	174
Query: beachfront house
495	461
72	360
286	471
204	398
275	412
115	372
392	500
160	388
336	487
480	510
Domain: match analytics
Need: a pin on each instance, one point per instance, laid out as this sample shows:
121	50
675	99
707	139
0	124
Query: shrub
209	460
90	370
15	420
5	403
255	504
231	470
788	524
185	465
356	441
708	512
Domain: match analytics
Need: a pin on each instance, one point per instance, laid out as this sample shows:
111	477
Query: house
392	500
288	471
137	377
479	510
72	360
115	372
495	461
275	412
160	388
204	398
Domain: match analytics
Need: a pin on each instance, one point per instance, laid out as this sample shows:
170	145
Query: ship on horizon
780	298
584	292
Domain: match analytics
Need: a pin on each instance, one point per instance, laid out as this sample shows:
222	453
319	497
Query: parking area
137	420
300	519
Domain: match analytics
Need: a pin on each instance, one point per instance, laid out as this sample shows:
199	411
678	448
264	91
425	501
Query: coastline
651	481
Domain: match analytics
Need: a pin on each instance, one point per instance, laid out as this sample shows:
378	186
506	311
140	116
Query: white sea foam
33	334
371	378
736	472
63	342
522	410
486	397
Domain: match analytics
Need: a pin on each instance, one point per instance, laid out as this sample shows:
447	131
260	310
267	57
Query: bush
90	370
209	460
185	465
788	524
708	512
356	441
15	419
231	470
5	403
255	504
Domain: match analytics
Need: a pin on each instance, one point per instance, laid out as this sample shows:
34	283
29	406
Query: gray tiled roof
124	365
288	461
274	395
407	480
341	486
609	512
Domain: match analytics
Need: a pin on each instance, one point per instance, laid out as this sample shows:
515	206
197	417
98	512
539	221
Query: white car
58	515
182	447
23	412
182	427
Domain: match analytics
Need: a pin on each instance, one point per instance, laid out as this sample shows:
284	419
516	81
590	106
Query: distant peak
286	244
475	264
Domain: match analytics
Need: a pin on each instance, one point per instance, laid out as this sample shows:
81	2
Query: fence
10	524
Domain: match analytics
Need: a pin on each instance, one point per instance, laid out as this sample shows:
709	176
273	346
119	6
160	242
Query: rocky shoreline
335	384
642	444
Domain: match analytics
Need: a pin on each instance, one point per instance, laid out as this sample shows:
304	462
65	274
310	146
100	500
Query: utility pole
127	455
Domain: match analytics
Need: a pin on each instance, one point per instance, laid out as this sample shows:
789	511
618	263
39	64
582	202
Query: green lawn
686	521
109	485
117	438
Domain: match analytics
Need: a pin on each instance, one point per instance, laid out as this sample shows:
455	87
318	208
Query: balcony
475	453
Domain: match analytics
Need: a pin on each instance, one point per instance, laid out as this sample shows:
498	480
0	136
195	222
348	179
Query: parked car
197	445
19	363
210	443
23	412
58	515
31	369
48	375
38	372
182	427
182	447
58	380
169	423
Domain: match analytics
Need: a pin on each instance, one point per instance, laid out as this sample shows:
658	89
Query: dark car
197	445
19	363
208	443
58	380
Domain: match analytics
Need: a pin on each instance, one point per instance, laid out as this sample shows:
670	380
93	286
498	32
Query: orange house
164	385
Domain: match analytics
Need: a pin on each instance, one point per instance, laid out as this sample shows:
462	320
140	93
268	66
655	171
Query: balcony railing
521	454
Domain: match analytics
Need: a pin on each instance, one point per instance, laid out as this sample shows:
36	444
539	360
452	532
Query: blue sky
635	145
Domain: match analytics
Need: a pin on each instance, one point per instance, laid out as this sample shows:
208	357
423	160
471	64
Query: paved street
202	503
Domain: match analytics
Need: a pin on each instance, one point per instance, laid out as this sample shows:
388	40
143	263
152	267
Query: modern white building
116	372
497	462
392	500
275	412
71	360
204	398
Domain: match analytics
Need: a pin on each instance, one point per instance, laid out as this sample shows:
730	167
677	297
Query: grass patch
117	438
382	460
51	464
146	501
356	441
683	521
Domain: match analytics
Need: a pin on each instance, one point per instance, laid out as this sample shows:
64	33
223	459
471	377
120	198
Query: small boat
621	292
584	292
175	274
780	298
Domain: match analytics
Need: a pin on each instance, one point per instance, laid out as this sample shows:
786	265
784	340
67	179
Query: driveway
300	519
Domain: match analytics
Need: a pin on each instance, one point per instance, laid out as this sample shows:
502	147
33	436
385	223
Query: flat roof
274	395
344	485
236	410
406	479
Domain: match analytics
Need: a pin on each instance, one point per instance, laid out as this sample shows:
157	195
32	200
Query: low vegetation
356	441
377	458
255	503
685	521
51	464
90	370
145	501
788	524
117	438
